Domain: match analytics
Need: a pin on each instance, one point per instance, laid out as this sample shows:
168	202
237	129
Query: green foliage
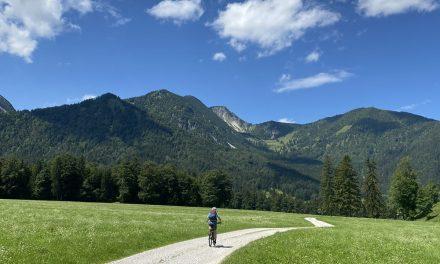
127	176
403	191
216	189
166	185
14	179
427	197
41	182
347	198
326	194
373	201
67	174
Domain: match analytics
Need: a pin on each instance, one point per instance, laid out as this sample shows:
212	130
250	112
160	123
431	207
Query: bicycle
212	239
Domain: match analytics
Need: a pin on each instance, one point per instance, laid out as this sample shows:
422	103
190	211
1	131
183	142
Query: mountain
167	128
231	119
5	105
266	130
384	136
161	126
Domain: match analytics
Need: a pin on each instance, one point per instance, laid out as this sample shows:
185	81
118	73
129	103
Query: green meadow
352	240
74	232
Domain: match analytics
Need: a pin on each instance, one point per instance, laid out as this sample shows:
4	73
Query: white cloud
23	23
111	12
287	84
220	56
286	120
374	8
270	24
413	106
314	56
177	10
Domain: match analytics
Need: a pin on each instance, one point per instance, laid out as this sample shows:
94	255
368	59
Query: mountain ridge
5	105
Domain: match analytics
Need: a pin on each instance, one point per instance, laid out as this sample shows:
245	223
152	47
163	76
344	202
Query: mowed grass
352	240
74	232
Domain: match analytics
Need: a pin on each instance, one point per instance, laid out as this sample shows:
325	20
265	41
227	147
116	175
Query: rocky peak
5	105
231	119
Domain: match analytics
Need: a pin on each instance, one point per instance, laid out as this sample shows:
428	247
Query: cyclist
212	222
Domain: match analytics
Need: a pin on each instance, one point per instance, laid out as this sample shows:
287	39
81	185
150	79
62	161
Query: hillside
384	136
160	126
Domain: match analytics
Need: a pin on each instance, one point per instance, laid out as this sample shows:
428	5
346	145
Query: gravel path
197	250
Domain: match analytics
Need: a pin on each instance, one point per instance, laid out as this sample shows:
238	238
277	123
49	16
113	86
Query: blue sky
288	60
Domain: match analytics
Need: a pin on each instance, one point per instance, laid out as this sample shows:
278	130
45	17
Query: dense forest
71	178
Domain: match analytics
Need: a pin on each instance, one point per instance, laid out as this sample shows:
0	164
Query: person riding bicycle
212	222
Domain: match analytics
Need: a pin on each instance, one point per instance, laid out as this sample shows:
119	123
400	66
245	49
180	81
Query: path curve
197	250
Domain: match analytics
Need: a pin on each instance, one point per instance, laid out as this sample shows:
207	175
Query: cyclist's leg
215	234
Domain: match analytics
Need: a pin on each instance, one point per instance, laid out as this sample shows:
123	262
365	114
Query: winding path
197	251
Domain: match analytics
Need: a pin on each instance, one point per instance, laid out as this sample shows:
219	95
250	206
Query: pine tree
127	175
41	183
347	193
403	191
373	201
327	187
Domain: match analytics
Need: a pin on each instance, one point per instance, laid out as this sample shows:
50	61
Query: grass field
352	240
70	232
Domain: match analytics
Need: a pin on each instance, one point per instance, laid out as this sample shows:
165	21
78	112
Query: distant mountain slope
384	136
5	105
160	126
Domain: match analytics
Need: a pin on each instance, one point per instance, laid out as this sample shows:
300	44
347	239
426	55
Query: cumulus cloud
286	120
23	23
272	25
219	56
314	56
286	83
178	11
374	8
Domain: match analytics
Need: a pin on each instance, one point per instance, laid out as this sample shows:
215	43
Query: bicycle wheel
210	239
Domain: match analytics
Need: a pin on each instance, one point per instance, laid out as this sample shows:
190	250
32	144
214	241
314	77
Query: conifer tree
373	201
403	191
347	197
327	187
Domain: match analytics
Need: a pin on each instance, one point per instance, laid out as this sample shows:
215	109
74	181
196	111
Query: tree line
342	194
70	178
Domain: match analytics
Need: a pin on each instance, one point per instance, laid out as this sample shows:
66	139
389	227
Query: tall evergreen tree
67	175
347	193
14	179
216	189
403	191
326	193
373	201
127	174
41	183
